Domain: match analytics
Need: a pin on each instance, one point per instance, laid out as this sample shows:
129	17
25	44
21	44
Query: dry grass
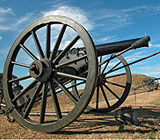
100	126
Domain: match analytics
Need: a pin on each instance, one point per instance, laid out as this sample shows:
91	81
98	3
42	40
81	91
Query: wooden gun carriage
59	76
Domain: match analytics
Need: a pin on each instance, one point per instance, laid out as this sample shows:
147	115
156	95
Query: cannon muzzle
109	48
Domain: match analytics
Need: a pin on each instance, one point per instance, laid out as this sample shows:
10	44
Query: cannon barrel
109	48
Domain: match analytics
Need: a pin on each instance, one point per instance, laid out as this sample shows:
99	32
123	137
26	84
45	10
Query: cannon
60	68
150	84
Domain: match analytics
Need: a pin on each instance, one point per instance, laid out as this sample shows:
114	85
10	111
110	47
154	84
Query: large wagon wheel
114	83
113	86
37	59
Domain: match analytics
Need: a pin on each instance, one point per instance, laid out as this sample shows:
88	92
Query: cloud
153	73
11	22
136	55
75	13
120	18
149	71
72	12
17	23
23	21
6	11
6	15
154	45
114	19
106	39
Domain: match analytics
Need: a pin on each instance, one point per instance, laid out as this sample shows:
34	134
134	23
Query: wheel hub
41	70
101	79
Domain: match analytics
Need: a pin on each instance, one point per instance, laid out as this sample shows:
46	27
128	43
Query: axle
109	48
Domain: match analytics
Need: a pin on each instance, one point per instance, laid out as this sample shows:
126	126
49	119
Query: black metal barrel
109	48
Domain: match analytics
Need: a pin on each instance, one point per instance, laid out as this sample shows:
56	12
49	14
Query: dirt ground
100	126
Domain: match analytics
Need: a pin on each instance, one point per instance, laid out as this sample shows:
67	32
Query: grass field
91	125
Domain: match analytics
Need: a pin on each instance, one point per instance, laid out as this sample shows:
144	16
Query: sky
105	20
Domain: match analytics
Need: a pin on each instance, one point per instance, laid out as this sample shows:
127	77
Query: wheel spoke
99	66
97	101
111	91
29	87
116	84
70	95
37	44
75	93
55	100
124	66
105	97
71	61
20	78
71	76
20	64
28	52
63	53
107	77
43	105
110	70
33	100
107	62
48	40
74	85
57	44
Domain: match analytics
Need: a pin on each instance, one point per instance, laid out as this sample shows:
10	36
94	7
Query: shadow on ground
98	123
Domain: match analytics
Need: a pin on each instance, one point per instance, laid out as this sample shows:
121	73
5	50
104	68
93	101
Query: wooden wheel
113	86
114	83
40	58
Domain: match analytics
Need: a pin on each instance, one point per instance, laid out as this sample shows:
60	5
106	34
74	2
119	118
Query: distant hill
136	82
